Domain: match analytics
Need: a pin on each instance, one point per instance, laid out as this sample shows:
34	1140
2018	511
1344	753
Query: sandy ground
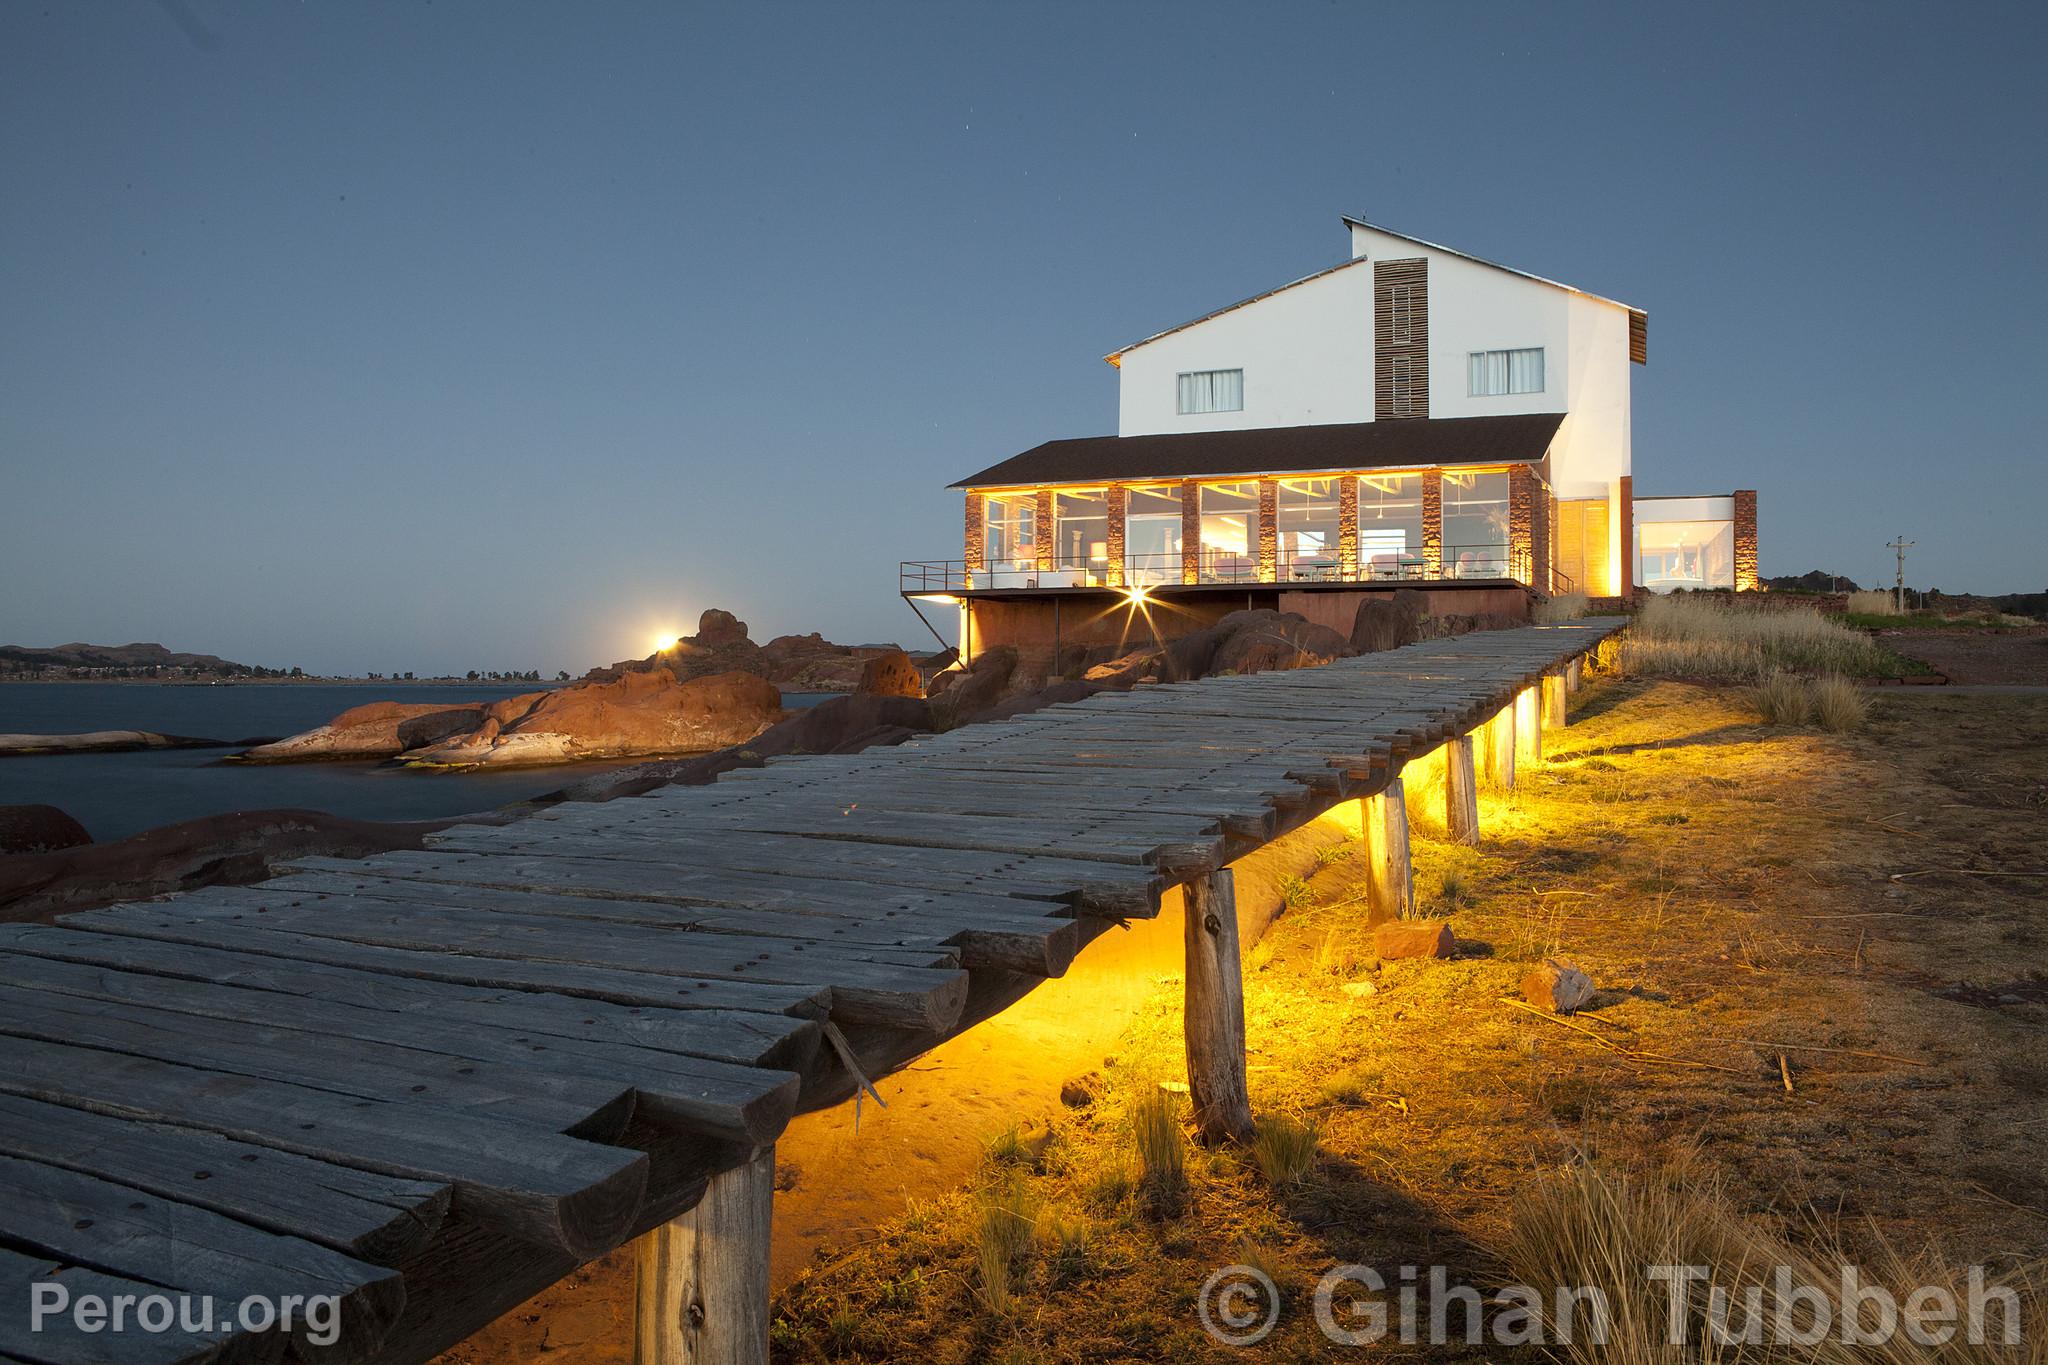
1863	914
1973	656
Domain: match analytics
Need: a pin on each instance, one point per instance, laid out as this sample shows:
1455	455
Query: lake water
115	795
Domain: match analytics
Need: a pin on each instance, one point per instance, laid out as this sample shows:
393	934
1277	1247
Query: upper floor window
1498	372
1401	374
1212	391
1401	312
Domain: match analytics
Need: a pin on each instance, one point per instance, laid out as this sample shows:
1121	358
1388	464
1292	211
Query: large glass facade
1152	535
1009	538
1230	531
1475	511
1686	554
1305	516
1389	525
1081	534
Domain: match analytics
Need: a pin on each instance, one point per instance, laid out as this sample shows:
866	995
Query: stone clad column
1119	503
1347	528
1190	531
1042	529
975	549
1269	530
1521	524
1433	523
1745	540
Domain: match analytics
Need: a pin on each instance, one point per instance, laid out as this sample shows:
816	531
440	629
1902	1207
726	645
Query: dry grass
1680	637
1839	705
1729	887
1872	603
1569	606
1284	1149
1781	699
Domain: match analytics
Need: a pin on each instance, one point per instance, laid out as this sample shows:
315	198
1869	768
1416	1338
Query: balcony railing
1212	566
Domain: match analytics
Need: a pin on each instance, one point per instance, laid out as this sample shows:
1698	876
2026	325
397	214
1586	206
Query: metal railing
1212	566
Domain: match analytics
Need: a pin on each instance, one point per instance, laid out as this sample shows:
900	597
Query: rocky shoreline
893	700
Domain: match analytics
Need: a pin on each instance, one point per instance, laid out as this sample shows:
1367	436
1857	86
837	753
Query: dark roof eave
1515	438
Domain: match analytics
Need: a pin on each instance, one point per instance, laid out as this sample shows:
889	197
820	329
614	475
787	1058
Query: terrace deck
433	1083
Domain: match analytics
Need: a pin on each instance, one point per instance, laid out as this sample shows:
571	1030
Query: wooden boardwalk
430	1084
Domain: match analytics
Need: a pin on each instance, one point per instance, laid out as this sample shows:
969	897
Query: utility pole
1901	545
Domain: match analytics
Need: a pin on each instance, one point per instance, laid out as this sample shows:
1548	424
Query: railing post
701	1279
1390	875
1461	792
1528	727
1500	747
1213	1012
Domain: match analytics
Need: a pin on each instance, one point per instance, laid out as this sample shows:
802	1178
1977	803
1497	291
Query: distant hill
120	661
1817	581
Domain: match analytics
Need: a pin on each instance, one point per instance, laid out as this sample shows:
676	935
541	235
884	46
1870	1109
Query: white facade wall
1306	353
1650	510
1307	356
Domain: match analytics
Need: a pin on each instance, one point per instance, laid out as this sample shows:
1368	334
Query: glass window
1081	532
1152	534
1211	391
1492	373
1686	554
1306	519
1475	510
1230	531
1009	542
1389	525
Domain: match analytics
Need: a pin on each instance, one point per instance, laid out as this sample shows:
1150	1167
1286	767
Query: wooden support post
1500	737
1390	875
1461	792
1553	701
1528	728
1573	673
701	1280
1213	1014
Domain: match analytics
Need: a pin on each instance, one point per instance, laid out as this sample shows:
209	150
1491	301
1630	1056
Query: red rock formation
638	713
380	729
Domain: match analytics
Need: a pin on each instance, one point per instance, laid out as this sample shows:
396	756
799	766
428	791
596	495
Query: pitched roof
1116	357
1349	221
1517	438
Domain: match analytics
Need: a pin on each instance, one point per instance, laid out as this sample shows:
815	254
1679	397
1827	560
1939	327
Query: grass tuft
1839	704
1285	1150
1569	606
1162	1151
1679	637
1005	1223
1781	699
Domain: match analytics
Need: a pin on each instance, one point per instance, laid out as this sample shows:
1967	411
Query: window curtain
1525	371
1488	373
1212	391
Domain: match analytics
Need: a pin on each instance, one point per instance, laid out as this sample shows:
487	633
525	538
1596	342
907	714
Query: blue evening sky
439	336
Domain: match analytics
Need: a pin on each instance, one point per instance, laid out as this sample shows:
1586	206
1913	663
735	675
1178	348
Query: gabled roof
1411	443
1233	307
1349	221
1638	318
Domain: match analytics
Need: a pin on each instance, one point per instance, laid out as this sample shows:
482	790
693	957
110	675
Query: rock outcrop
1382	624
1263	640
379	729
891	675
800	663
39	829
640	713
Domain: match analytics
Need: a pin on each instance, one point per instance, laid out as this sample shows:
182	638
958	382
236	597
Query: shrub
1839	704
1568	606
1285	1150
1781	699
1295	892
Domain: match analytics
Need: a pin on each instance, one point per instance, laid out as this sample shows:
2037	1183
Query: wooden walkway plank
378	1218
751	1038
543	1188
58	1340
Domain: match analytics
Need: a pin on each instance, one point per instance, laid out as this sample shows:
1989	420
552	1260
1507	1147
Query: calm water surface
115	795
